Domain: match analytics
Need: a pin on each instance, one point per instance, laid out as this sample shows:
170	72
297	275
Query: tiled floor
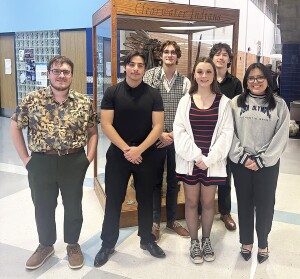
18	237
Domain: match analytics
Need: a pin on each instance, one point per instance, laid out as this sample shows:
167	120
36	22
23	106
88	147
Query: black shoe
262	256
102	256
153	249
246	254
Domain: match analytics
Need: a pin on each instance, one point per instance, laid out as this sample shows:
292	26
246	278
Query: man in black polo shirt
230	86
132	118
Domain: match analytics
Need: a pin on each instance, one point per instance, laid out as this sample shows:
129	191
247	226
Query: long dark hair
214	87
269	99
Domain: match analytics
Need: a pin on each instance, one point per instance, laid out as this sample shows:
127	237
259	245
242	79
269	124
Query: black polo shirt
230	86
133	109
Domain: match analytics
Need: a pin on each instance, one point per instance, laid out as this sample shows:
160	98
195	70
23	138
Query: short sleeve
21	114
158	102
108	99
92	115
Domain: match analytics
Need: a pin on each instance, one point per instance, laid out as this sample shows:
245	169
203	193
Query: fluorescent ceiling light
276	56
183	28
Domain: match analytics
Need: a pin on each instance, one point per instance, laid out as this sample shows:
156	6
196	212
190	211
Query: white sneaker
207	251
195	252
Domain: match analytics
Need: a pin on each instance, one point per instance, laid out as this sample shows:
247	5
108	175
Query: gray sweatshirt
260	134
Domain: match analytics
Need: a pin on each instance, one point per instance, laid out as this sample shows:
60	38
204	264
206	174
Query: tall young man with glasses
132	118
230	86
60	123
172	86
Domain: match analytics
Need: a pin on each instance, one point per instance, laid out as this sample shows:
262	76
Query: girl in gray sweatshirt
261	123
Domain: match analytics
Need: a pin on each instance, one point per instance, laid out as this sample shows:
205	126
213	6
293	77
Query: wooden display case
117	16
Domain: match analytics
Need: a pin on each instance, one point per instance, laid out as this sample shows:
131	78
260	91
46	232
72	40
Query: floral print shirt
55	126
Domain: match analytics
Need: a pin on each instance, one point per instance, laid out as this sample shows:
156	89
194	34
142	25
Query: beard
60	87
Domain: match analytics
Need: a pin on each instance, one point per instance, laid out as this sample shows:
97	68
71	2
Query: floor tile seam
279	215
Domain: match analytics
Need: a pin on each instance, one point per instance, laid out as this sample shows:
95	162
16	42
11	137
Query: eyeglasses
172	52
259	79
57	72
139	65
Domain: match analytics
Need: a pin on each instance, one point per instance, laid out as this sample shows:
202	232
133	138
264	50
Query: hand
133	154
164	140
26	160
249	162
201	165
251	165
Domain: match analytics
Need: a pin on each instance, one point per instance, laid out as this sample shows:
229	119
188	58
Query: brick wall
204	51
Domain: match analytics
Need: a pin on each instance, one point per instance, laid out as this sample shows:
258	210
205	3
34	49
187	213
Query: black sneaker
207	251
195	252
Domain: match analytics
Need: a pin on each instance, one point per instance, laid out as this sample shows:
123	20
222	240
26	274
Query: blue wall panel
32	15
290	75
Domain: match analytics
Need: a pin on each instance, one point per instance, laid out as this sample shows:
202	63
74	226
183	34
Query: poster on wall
21	55
108	69
7	63
30	64
41	74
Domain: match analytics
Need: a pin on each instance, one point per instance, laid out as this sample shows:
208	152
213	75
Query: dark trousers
47	174
117	173
224	194
163	154
255	191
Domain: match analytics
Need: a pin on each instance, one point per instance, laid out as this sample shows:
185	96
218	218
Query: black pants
224	194
117	174
47	174
255	191
161	155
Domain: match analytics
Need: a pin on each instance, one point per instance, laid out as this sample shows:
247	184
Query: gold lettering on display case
144	9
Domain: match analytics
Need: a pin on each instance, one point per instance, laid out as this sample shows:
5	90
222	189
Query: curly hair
216	48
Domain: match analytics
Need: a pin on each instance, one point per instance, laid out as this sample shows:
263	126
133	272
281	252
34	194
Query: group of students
251	130
153	117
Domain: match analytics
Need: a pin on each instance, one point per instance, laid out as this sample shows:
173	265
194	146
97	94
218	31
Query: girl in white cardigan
203	131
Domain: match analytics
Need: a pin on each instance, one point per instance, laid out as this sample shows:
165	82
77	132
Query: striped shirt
203	123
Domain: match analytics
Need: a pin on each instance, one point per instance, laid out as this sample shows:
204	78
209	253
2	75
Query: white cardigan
187	152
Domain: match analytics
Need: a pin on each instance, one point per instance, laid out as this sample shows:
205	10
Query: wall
32	15
72	14
289	13
254	26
